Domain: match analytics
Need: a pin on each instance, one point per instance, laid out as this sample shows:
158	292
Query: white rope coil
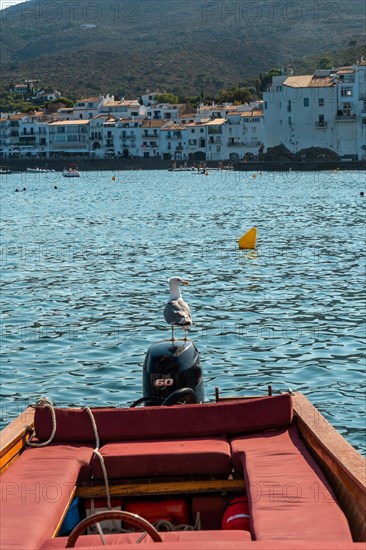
44	402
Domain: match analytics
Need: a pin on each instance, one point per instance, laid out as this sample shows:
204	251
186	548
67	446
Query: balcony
68	146
251	143
321	125
27	140
346	118
233	143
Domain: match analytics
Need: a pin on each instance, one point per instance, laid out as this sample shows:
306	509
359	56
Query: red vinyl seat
35	491
158	458
289	497
192	537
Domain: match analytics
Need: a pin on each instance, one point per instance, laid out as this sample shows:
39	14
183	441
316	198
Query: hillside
189	46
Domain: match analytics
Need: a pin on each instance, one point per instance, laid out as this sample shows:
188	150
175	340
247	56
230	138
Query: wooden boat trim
61	520
14	437
343	465
166	488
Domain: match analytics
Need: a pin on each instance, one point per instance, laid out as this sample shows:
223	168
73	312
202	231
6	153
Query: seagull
176	311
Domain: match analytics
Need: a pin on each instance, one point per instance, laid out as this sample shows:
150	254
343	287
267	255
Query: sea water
85	264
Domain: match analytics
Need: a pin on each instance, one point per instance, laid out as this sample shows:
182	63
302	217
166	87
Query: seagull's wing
177	312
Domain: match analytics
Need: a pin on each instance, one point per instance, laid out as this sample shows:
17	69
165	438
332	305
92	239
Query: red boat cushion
289	497
35	491
233	417
89	541
216	543
157	458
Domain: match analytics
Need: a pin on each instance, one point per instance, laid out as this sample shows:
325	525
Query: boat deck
201	454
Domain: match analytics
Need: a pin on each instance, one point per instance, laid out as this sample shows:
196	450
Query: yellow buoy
113	178
248	241
254	176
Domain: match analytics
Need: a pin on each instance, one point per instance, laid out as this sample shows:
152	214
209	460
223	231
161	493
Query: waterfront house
69	138
325	110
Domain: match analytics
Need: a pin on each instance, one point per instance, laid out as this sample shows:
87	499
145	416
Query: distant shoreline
88	165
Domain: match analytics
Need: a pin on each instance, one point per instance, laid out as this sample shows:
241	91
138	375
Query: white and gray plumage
176	311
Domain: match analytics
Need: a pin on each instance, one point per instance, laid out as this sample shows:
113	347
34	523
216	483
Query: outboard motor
172	374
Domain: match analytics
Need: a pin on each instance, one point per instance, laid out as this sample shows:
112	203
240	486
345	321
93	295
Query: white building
325	110
124	109
165	111
69	137
243	134
196	140
173	142
86	109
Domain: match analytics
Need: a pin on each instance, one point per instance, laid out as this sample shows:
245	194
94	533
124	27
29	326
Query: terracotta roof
308	81
175	128
89	99
153	123
216	122
203	122
19	116
346	71
131	103
251	114
69	123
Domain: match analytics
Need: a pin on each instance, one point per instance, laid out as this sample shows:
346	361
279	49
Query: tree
266	79
235	95
325	63
167	98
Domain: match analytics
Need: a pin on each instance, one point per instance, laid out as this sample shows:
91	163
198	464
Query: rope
44	402
98	454
162	524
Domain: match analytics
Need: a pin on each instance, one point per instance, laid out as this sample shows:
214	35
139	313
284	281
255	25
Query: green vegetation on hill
189	48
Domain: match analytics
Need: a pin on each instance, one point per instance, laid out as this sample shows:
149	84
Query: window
346	92
306	102
321	102
265	105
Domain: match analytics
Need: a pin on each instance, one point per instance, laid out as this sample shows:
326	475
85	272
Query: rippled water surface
84	283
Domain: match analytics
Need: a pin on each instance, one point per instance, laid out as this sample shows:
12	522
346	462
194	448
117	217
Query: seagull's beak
185	283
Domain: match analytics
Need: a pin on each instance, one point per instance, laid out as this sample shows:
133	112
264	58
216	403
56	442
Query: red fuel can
236	515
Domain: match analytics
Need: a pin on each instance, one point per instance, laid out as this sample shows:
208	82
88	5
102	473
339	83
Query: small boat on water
38	170
5	170
71	171
258	473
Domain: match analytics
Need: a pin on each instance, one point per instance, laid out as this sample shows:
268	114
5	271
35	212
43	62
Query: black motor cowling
170	368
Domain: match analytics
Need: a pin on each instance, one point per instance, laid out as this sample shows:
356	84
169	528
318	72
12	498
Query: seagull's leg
172	332
185	334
